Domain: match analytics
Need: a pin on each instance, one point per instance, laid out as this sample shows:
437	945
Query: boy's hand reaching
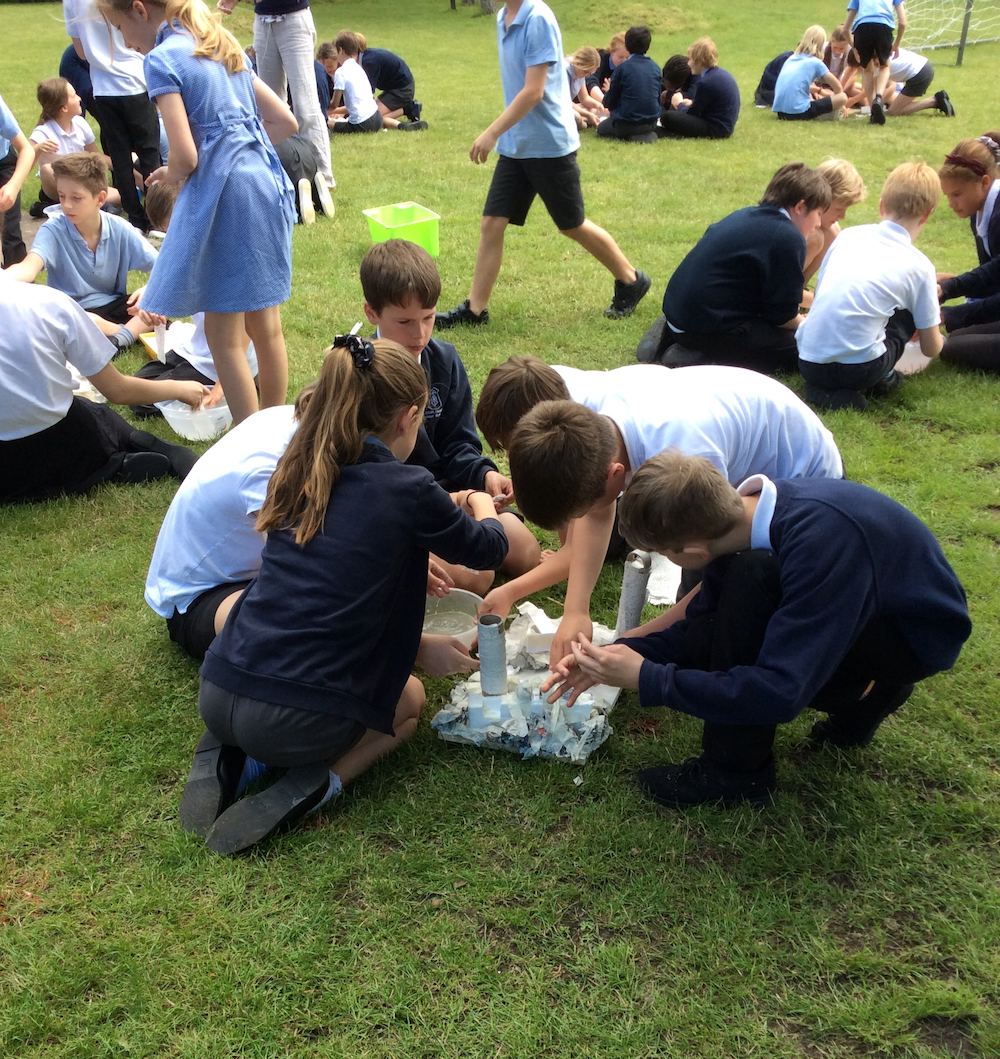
439	581
192	393
496	485
441	656
571	628
588	665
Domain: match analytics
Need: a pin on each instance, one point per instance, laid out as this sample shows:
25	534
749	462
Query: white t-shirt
208	538
41	329
575	83
79	137
115	70
869	272
906	65
196	352
741	421
358	96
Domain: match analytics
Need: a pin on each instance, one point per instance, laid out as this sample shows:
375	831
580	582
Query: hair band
992	145
966	162
361	350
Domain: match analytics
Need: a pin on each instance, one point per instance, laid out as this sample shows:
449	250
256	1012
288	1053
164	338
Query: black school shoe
253	819
834	399
181	459
211	784
412	126
627	296
461	314
699	781
857	725
878	112
944	104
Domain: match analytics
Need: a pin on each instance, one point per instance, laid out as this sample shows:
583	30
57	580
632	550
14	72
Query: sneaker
857	725
253	819
834	399
944	104
461	314
878	112
627	296
701	782
648	349
211	784
412	126
678	356
885	385
324	196
415	110
181	458
140	467
307	214
37	210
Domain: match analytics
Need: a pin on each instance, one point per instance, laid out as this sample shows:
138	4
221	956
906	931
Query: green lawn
457	903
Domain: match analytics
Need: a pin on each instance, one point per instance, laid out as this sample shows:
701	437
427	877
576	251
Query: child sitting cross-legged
793	99
401	286
710	107
352	106
89	253
783	621
874	290
311	672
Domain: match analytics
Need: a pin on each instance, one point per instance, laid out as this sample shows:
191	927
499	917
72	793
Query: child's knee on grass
477	581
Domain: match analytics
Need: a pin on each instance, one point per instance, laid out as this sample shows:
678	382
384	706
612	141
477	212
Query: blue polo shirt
533	38
92	277
879	11
9	127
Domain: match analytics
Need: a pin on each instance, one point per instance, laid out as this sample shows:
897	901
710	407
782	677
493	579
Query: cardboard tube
492	655
633	598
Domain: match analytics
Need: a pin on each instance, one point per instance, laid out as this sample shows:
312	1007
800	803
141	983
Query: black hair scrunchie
361	350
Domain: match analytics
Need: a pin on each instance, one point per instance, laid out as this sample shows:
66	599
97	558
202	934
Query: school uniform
208	540
633	99
974	325
388	74
328	632
12	245
97	279
873	28
714	109
78	137
913	70
363	114
763	95
792	99
77	72
742	422
816	622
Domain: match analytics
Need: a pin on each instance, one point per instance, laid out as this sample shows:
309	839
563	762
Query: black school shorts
194	630
873	40
516	182
919	83
817	108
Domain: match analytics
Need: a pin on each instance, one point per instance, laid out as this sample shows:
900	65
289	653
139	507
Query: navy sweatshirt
747	265
634	92
386	71
334	626
982	283
448	444
715	99
848	555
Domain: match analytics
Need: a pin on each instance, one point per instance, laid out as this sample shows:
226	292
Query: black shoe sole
139	467
211	783
181	459
253	819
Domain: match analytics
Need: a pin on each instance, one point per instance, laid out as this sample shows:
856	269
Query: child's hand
214	397
192	393
7	198
496	602
483	145
496	485
226	6
676	99
45	146
571	628
616	665
567	677
439	581
442	656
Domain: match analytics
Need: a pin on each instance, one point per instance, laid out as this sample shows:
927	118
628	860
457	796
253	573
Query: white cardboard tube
633	598
492	655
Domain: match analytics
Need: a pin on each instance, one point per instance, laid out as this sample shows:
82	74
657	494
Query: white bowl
453	615
200	424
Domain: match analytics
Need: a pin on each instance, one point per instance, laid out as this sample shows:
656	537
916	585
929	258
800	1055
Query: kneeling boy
874	289
783	621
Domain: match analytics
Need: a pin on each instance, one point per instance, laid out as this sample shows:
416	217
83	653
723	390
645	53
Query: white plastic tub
453	615
200	424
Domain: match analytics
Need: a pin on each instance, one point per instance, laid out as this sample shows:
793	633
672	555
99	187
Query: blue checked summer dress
229	245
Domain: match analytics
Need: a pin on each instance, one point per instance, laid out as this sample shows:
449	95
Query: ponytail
212	40
360	391
53	95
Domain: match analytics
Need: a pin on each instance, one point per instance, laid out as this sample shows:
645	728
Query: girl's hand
45	146
156	176
567	678
496	602
214	397
191	393
439	581
442	656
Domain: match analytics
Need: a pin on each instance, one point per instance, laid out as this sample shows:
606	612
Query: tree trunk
488	7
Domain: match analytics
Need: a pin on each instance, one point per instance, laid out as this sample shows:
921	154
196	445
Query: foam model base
521	721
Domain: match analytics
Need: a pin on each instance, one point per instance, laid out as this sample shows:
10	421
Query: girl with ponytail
228	251
311	672
970	180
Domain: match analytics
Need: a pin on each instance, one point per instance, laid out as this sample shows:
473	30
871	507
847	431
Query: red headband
966	162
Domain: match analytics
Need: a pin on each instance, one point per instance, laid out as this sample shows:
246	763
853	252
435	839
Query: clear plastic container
453	615
200	424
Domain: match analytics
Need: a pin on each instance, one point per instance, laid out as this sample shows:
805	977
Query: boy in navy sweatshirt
401	286
633	97
817	592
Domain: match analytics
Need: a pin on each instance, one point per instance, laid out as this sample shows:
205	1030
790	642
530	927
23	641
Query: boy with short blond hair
783	620
89	253
848	189
874	290
401	287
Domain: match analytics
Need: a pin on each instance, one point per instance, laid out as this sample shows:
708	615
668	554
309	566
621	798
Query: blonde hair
842	35
362	42
586	58
910	191
53	95
674	500
813	42
617	41
349	402
212	40
704	53
846	184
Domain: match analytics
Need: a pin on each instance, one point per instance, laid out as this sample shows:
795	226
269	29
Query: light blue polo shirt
9	127
92	277
533	38
791	90
880	11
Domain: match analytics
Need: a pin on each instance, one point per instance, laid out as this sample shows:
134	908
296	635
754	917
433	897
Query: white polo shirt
870	271
208	537
115	70
79	137
358	96
41	329
741	421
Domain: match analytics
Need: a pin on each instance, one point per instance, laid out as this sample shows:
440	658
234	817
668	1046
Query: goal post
951	24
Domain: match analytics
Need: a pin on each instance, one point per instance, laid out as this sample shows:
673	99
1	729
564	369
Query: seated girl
311	672
848	189
793	100
714	106
579	66
969	180
841	60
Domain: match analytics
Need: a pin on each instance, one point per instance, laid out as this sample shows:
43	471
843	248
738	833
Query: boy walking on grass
875	288
537	140
816	592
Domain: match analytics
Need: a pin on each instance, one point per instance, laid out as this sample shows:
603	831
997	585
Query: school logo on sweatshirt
435	405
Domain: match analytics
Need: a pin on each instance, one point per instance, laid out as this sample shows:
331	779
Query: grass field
456	903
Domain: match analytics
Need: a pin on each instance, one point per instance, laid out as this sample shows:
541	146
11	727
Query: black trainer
253	819
181	459
142	467
944	104
461	314
885	385
878	112
412	126
37	210
627	296
701	782
416	107
857	725
211	784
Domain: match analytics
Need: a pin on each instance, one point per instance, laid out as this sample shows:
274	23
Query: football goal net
951	23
